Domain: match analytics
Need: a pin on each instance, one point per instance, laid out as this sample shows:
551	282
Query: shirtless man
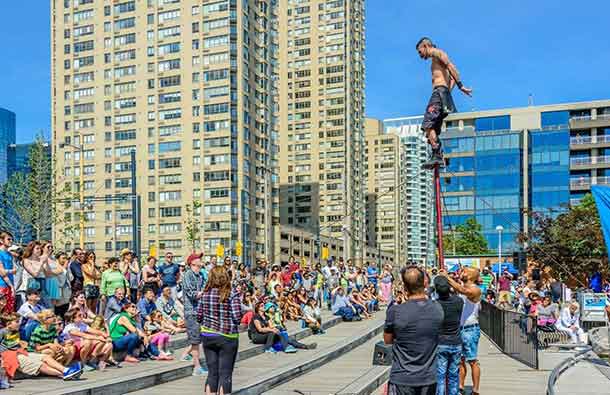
470	332
444	77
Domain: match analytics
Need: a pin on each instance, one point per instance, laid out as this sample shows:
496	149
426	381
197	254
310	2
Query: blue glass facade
499	186
7	137
549	170
18	159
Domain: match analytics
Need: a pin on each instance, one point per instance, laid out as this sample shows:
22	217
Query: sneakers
200	371
89	367
186	358
290	350
270	350
72	372
312	346
436	159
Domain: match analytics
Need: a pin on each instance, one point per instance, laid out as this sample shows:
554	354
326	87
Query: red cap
193	257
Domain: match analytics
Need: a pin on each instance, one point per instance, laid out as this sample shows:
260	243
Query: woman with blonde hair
220	314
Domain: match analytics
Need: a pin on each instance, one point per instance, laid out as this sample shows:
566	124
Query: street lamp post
81	189
499	228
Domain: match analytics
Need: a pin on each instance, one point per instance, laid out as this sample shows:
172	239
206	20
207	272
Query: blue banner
602	200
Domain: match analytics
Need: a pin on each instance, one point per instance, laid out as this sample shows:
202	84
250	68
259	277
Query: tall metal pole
82	196
134	205
499	228
439	218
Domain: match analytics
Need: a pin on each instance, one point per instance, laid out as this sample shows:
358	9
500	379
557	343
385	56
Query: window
125	23
124	7
123	119
83	46
174	113
170	163
169	81
220	91
170	212
170	228
215	24
169	97
85	92
215	7
492	123
170	196
166	65
83	77
173	31
215	58
170	179
215	209
121	56
169	130
169	146
84	61
124	39
221	175
214	126
125	135
210	109
168	15
125	103
216	41
82	16
83	108
126	87
168	48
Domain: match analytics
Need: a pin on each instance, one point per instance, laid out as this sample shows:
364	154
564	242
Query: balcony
588	121
586	142
584	183
590	162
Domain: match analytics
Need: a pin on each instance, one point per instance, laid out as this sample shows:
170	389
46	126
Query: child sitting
158	329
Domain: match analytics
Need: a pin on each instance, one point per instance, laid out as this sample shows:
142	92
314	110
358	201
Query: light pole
81	190
499	228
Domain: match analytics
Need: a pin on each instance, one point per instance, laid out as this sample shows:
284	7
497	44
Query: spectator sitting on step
313	317
292	311
115	303
342	307
546	314
90	344
167	306
262	331
28	313
569	323
146	305
44	340
14	356
359	303
372	297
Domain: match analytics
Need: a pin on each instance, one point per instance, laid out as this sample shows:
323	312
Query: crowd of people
67	313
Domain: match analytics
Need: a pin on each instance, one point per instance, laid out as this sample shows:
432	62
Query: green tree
41	190
16	215
572	243
466	239
193	224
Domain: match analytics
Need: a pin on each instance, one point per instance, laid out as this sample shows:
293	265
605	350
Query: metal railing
581	140
589	160
515	334
566	364
589	117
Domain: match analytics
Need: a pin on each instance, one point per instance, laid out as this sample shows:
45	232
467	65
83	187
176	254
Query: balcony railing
589	160
586	182
590	118
582	140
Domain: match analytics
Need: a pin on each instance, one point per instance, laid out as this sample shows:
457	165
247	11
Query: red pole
439	218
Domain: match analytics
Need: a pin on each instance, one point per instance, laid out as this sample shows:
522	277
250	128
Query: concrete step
133	377
351	373
267	371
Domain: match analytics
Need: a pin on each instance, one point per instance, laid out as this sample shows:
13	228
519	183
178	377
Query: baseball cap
194	256
13	248
125	251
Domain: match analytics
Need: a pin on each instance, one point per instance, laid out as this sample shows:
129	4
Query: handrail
564	366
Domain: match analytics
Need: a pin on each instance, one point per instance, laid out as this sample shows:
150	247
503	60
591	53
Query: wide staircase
341	364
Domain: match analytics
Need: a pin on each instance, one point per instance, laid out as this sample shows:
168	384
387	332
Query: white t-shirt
82	327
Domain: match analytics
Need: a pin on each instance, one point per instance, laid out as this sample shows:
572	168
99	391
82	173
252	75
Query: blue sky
557	50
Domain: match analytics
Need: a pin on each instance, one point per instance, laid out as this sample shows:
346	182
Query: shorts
505	296
440	105
193	331
397	389
470	342
30	364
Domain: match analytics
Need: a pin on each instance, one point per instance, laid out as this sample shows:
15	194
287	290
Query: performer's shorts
440	105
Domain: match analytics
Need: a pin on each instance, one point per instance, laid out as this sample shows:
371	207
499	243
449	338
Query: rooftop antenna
530	100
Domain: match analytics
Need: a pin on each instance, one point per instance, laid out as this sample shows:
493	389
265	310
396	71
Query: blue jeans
346	313
128	342
448	369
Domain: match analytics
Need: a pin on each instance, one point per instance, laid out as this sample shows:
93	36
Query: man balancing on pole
444	76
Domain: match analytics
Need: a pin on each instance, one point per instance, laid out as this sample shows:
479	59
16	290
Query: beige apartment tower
321	119
189	86
384	203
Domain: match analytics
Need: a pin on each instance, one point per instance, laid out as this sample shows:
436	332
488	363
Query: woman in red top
219	313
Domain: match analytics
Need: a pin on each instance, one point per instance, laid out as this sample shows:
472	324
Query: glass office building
506	163
7	137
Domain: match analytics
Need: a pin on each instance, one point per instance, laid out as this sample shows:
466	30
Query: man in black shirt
413	329
449	341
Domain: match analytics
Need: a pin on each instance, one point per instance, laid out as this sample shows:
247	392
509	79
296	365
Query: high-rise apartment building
321	118
506	162
416	191
384	203
186	84
7	137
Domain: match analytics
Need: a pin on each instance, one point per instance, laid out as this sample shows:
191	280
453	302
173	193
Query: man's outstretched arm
442	57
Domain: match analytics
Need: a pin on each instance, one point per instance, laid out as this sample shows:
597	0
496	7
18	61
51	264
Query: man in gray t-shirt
413	330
